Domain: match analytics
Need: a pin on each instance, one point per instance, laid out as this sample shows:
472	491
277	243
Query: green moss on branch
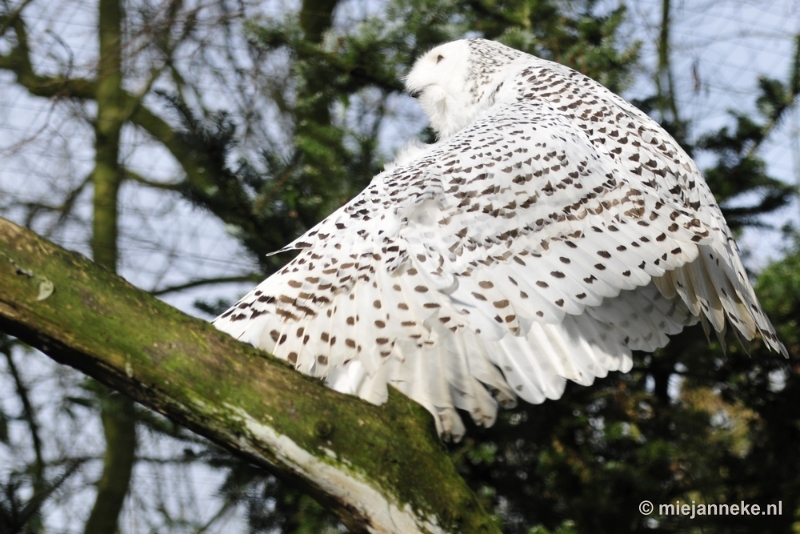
241	398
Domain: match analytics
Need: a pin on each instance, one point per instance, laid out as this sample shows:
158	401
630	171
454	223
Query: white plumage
552	229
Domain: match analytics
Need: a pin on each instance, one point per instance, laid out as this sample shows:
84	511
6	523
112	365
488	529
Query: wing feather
541	243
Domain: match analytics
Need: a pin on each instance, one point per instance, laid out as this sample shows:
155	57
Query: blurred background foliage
263	121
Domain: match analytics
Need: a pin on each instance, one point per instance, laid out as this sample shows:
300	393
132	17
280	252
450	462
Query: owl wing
499	263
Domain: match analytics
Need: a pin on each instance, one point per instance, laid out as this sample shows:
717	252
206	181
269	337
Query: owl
552	229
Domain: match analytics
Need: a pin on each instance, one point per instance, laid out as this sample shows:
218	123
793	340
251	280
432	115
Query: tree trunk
116	411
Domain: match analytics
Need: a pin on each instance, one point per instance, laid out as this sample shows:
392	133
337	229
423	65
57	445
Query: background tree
137	45
309	109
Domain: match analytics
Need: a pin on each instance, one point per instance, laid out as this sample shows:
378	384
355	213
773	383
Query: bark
380	468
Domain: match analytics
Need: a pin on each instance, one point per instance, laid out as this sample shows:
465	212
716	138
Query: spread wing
523	251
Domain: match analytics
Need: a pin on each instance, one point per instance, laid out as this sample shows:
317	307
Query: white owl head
456	81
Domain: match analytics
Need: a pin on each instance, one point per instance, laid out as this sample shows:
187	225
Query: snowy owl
552	229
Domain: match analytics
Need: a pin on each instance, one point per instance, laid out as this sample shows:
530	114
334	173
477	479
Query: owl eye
439	58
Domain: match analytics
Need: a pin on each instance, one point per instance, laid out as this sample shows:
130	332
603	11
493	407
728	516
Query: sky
721	48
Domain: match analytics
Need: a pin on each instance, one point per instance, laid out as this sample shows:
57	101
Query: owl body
550	230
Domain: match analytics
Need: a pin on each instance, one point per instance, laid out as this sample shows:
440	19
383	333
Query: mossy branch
380	468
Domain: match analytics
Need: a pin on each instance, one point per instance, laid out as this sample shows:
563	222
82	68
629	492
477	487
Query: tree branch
380	468
207	281
29	415
8	19
165	186
17	60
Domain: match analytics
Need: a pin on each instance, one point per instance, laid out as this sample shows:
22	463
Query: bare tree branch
205	282
29	414
167	186
17	60
8	20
